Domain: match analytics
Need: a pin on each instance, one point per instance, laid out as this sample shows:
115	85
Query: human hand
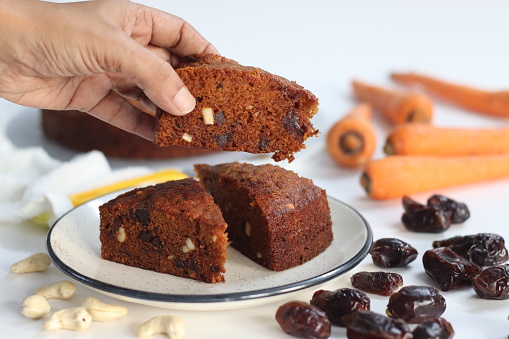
111	58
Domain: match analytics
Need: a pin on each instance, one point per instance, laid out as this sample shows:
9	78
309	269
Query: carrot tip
419	115
366	182
351	143
389	148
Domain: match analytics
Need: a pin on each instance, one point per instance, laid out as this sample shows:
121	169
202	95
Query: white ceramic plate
73	245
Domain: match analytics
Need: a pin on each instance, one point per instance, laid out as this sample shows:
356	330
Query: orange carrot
481	101
398	107
351	141
399	175
425	139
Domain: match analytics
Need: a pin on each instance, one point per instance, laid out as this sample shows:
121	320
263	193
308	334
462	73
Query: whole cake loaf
173	227
82	132
274	217
239	108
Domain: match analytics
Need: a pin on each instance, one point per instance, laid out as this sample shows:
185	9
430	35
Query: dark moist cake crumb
274	217
239	108
173	228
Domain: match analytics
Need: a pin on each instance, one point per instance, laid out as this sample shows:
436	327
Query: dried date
392	252
437	216
457	211
369	325
303	320
381	283
414	304
492	282
139	215
410	204
448	269
291	124
483	249
339	303
437	328
223	139
427	219
219	118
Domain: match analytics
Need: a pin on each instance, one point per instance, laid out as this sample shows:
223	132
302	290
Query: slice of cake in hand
173	227
239	108
274	217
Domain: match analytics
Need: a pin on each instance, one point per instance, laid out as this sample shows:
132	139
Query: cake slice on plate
274	217
173	227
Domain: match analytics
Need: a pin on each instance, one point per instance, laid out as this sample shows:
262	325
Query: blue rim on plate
256	293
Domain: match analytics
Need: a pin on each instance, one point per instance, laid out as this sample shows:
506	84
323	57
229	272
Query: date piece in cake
274	217
239	108
173	228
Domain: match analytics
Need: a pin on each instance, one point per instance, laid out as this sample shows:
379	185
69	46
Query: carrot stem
488	102
398	107
399	175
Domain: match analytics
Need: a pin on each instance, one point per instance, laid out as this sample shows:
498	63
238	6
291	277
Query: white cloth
33	183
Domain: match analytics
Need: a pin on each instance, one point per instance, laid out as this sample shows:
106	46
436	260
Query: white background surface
322	45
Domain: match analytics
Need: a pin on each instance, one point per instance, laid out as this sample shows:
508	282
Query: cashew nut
103	312
35	306
170	325
35	263
76	319
60	290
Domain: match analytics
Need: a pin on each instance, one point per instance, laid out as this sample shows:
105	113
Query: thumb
155	77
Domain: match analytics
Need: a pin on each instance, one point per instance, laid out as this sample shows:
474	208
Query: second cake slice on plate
274	217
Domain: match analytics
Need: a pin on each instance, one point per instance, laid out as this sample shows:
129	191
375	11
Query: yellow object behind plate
152	178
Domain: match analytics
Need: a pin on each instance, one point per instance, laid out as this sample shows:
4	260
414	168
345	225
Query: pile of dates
412	311
420	306
472	259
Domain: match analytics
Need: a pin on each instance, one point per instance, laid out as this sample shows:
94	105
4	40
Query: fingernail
184	101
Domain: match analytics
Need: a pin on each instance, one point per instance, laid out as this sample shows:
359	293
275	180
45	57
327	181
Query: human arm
110	58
